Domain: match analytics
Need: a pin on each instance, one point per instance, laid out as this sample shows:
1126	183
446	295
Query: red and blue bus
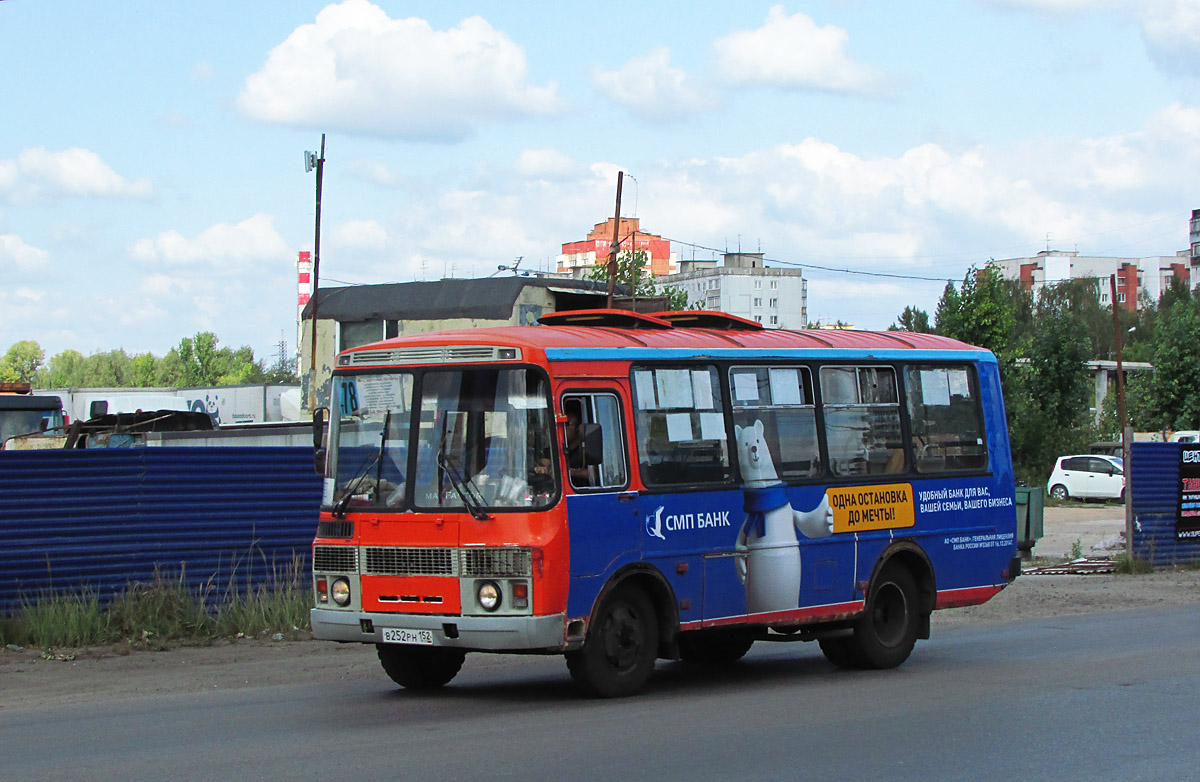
620	488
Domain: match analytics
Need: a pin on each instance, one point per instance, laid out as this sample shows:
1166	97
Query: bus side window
780	398
680	421
862	420
945	418
594	441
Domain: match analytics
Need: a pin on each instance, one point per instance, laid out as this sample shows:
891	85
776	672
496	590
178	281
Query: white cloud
252	240
544	164
1170	28
792	52
651	89
375	172
38	173
361	235
357	69
14	250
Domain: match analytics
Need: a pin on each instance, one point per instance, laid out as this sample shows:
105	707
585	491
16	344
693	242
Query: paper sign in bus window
377	393
702	389
679	427
674	388
745	387
785	386
644	382
935	390
958	383
712	426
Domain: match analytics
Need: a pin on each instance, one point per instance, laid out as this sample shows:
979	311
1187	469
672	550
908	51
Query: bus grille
339	559
495	562
410	561
428	355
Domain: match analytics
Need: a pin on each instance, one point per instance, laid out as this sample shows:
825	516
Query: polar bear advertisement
770	567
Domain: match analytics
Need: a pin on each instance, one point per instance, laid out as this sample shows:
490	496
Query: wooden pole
1126	431
312	358
612	251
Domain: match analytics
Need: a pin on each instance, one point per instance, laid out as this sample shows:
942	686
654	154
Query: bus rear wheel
884	636
622	644
714	647
420	667
841	651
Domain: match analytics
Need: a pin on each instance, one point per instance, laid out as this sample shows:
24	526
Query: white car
1087	476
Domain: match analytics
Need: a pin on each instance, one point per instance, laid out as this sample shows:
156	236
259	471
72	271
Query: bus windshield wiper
339	507
465	489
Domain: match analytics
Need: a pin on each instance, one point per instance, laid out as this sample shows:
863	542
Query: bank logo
654	525
658	525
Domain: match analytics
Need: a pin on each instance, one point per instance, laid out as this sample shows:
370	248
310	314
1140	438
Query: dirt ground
34	677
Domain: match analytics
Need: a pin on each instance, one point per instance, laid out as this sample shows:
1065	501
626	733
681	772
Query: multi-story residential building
743	286
578	258
1151	275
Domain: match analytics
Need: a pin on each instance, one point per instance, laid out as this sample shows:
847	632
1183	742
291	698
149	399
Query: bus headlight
340	592
488	596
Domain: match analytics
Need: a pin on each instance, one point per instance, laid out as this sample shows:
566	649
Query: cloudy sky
152	181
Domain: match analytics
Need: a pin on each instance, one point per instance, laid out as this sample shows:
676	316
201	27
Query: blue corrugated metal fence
101	519
1154	477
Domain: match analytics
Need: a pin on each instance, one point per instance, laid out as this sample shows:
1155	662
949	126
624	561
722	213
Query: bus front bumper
487	633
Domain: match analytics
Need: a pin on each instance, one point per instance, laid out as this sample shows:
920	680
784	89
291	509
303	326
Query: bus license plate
400	635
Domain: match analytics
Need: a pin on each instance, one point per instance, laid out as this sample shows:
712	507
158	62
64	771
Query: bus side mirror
318	430
593	443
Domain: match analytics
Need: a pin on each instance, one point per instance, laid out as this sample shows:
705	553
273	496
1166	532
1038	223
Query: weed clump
163	611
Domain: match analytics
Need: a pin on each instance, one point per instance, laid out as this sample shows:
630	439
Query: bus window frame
418	373
733	478
574	392
975	388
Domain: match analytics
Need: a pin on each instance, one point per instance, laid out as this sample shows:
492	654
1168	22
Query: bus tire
841	651
622	644
420	667
885	634
714	647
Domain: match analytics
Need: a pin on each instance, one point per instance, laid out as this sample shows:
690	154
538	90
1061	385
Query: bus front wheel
622	644
420	667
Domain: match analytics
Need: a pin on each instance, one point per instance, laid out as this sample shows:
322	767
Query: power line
825	268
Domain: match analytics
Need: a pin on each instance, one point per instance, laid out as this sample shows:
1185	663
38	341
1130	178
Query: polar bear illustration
770	567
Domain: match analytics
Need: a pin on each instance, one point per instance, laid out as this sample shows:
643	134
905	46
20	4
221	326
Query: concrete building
1151	275
351	316
578	258
743	286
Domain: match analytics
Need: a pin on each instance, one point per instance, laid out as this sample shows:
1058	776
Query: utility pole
312	161
1126	431
612	251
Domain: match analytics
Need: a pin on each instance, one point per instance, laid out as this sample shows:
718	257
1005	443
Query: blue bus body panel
966	527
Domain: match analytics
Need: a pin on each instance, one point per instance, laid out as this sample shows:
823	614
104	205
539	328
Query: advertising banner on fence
1187	518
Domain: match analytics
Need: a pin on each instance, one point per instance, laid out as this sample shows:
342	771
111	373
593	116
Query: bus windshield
369	435
486	440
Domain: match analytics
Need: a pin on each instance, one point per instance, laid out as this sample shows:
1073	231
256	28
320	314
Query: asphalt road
1102	696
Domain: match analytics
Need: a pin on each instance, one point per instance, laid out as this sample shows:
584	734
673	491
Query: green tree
1177	363
912	319
981	313
634	276
63	370
21	362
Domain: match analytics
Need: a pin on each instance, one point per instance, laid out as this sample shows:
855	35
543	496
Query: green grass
1131	566
165	611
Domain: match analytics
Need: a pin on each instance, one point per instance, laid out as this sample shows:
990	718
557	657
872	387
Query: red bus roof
650	331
